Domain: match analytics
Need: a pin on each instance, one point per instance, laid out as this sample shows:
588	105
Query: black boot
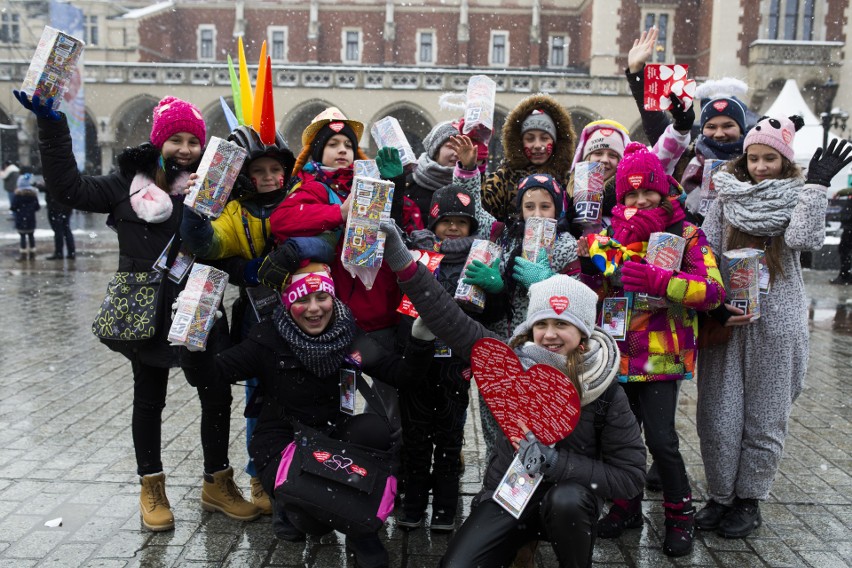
709	517
680	527
368	550
624	514
743	518
282	527
652	480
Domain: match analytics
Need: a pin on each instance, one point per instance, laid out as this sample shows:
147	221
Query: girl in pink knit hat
748	384
658	346
144	201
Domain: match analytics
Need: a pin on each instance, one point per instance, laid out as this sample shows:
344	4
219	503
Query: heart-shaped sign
541	397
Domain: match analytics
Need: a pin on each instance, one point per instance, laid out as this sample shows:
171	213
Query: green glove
527	273
486	277
389	163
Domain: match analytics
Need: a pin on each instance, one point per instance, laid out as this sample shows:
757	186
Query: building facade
374	58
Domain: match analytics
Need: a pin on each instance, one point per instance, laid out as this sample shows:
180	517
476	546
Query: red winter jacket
307	212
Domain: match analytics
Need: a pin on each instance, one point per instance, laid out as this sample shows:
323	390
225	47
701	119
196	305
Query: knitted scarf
631	225
454	250
320	354
342	177
709	148
763	209
431	175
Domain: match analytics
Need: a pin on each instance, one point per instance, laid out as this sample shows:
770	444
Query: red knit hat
640	168
172	115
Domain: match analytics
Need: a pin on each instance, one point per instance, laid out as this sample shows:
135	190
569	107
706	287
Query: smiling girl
749	384
659	347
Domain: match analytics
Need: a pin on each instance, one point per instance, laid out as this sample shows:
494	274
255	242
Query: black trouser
655	404
149	399
364	429
27	236
60	222
433	419
844	249
566	515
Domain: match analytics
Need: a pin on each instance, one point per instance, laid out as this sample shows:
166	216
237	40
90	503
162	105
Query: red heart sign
786	135
720	105
541	397
559	304
635	180
464	198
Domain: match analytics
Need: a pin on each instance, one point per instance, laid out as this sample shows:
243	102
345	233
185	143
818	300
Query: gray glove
535	456
420	331
397	256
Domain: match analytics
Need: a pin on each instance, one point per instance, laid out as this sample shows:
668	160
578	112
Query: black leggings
566	515
654	404
149	400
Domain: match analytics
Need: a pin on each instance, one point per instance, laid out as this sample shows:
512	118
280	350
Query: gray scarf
431	175
320	354
763	209
455	251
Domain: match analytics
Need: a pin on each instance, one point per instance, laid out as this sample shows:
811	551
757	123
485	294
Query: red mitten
645	278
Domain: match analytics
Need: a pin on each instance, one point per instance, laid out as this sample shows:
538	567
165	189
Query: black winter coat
291	392
139	242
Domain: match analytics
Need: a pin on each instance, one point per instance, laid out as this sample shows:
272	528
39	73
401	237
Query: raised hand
684	118
827	164
642	50
42	109
389	162
465	150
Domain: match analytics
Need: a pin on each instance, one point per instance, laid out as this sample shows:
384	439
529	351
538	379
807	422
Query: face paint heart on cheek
296	310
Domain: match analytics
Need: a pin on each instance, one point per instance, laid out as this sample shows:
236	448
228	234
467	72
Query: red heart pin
635	180
559	303
786	135
720	105
541	397
630	212
336	126
464	198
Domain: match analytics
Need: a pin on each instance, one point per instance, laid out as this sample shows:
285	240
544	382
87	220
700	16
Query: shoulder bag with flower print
129	310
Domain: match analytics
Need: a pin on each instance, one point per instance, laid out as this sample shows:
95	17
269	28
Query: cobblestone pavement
65	449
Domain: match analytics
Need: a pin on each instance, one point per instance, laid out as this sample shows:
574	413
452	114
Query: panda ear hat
777	133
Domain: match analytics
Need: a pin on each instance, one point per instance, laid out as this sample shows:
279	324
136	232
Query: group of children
284	230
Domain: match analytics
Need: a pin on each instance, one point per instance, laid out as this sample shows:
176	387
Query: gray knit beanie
439	134
563	298
539	120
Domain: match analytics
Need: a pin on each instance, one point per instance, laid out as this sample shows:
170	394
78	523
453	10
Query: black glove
279	265
42	109
825	165
684	118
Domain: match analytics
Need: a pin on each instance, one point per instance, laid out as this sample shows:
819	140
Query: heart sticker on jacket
541	397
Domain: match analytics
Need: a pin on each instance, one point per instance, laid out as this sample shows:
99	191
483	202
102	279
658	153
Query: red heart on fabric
786	135
540	179
720	105
336	126
435	210
607	131
635	180
464	198
541	397
630	212
321	456
559	304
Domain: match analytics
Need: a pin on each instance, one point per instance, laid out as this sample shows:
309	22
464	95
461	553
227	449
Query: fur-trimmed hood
138	159
563	148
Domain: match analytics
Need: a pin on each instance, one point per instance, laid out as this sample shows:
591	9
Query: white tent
809	138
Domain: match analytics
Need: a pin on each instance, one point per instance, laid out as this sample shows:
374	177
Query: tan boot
259	497
154	505
220	493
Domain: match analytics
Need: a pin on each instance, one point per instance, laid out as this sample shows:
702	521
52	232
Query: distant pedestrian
24	204
59	217
9	175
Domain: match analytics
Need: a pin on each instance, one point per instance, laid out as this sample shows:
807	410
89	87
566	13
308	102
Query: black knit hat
545	182
325	134
452	200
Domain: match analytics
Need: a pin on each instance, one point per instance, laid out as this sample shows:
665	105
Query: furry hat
601	134
640	168
313	277
563	298
777	133
173	115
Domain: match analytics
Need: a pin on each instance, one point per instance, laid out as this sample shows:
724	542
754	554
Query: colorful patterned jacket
661	343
